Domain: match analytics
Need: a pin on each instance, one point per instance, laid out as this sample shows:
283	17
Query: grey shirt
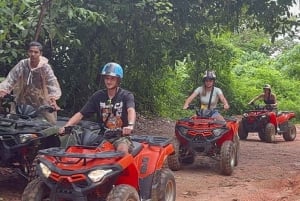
205	99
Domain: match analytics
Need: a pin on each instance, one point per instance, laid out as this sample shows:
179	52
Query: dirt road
266	172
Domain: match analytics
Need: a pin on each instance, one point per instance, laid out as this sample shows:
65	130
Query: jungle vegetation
164	47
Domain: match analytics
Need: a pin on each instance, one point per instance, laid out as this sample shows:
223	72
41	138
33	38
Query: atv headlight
219	131
97	175
27	137
45	170
264	118
245	115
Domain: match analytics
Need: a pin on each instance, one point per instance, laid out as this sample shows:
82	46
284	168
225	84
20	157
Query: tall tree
145	36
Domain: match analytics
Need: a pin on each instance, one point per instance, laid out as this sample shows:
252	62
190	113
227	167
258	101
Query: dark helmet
112	69
209	74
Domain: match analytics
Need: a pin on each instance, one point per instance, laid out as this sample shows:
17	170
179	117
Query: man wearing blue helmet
114	106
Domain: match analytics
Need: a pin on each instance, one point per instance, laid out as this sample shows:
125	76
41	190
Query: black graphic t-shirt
110	113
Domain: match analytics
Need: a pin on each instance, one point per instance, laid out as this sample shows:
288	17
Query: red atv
203	135
95	171
267	122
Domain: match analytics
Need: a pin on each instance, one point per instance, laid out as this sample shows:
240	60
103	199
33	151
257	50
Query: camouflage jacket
33	86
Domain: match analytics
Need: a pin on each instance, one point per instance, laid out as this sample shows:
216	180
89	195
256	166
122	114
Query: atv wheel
123	192
243	134
227	157
156	185
262	136
167	186
32	174
236	141
173	160
28	167
270	133
291	132
36	190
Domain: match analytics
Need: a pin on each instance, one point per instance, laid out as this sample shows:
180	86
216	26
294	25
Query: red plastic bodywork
204	126
145	163
274	117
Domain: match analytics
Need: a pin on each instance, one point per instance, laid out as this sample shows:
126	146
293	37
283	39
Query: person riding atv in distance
209	95
33	82
267	96
114	106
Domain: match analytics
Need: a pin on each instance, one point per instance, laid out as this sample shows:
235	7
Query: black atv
22	134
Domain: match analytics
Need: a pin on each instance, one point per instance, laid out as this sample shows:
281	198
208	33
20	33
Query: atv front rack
61	152
152	140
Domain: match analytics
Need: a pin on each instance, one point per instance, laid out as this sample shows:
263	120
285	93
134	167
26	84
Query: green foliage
289	62
169	98
146	37
13	30
253	72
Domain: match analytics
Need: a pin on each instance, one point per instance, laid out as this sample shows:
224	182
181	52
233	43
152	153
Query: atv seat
137	147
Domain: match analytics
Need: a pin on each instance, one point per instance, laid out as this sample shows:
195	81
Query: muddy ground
266	172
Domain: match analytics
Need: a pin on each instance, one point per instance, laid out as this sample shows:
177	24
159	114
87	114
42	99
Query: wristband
130	124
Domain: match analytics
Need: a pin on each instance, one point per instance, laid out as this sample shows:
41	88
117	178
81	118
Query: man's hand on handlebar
62	131
127	130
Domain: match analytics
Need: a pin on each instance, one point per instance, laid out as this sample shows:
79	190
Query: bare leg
123	147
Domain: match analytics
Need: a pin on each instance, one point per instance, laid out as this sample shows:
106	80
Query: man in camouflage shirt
33	82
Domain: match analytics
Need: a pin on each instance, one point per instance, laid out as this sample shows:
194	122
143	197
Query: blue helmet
112	69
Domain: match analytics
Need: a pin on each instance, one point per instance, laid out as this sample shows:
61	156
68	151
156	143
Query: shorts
215	113
125	140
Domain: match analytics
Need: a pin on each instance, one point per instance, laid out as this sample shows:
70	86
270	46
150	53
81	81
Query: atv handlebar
84	136
68	129
206	113
24	110
6	102
48	108
8	98
264	107
105	131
